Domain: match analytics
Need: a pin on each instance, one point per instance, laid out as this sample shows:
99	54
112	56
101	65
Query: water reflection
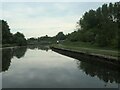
8	54
39	47
51	66
6	59
0	60
103	73
19	52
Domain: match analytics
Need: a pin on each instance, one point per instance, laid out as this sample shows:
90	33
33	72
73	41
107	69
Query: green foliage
100	26
19	39
60	36
73	36
6	34
47	40
9	38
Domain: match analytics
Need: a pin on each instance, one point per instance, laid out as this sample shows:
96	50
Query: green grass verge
89	48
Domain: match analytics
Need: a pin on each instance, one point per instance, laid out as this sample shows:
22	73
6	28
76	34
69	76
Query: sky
36	19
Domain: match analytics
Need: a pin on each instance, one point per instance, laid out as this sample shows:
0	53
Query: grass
89	48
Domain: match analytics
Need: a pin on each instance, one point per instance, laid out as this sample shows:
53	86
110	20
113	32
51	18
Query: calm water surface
40	67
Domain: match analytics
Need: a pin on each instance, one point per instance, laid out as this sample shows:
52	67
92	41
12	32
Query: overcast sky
36	19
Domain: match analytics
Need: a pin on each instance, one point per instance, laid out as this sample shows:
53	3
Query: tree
8	37
6	34
60	36
101	26
19	39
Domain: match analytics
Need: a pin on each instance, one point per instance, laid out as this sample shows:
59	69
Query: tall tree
60	36
6	34
19	39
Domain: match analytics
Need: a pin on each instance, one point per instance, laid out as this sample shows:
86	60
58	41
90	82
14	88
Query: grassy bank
89	48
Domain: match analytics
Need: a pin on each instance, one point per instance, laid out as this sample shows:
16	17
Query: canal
40	67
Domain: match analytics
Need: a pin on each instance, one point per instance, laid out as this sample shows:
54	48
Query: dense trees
47	39
19	39
101	26
6	34
9	38
60	36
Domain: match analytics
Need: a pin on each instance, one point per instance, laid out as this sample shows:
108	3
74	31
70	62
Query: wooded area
10	38
101	26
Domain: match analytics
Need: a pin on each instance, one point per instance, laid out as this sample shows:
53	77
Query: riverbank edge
102	58
10	47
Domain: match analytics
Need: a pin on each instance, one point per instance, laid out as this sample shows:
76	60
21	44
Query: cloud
38	19
0	10
35	19
50	26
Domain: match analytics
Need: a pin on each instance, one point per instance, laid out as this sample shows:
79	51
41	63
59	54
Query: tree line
100	26
18	39
47	39
10	38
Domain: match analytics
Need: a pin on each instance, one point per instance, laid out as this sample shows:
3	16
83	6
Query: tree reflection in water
39	47
0	60
92	69
19	52
103	73
8	54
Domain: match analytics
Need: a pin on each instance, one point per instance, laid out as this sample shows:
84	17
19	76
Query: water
40	67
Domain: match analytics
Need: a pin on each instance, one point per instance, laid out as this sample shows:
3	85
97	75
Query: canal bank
111	62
